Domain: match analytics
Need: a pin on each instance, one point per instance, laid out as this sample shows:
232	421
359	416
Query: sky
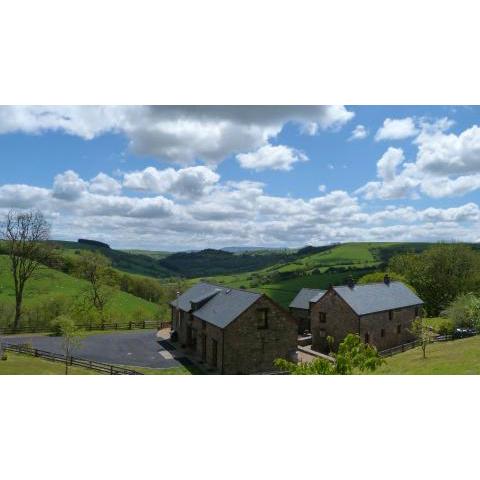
181	178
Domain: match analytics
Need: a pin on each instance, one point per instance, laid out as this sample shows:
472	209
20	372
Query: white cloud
68	186
397	129
322	188
450	154
231	213
186	182
22	196
278	157
104	185
359	133
178	134
387	165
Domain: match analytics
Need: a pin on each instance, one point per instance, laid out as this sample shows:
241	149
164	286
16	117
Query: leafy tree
97	271
377	277
25	235
423	332
440	273
464	311
353	356
71	337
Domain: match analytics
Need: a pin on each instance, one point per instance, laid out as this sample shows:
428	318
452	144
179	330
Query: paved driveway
136	348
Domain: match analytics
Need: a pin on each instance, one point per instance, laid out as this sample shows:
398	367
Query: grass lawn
458	357
18	364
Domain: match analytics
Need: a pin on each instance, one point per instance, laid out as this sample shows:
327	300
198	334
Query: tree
440	273
423	332
71	337
464	311
25	235
377	277
97	271
353	356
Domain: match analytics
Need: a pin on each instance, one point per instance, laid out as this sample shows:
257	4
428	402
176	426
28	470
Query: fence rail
78	362
416	343
143	324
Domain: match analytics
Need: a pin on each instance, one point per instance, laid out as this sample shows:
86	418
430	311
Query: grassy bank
458	357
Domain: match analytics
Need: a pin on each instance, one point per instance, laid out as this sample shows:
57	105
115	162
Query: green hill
51	287
141	264
316	267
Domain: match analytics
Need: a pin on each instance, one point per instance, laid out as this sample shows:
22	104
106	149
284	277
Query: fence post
116	326
130	325
144	324
111	369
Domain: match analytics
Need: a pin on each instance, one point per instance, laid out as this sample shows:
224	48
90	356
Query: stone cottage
232	331
380	313
300	307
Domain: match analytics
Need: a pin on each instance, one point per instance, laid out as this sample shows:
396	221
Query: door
214	353
204	348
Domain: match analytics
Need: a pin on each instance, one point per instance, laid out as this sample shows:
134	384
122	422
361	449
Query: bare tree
25	235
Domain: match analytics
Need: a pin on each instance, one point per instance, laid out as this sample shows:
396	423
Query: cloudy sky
174	178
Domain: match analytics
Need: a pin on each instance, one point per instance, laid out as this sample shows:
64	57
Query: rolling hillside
332	264
48	285
141	264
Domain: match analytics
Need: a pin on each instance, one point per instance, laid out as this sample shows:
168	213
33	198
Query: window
382	332
390	314
399	328
322	316
367	337
262	318
322	332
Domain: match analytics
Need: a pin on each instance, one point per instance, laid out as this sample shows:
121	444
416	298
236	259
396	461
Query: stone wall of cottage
381	329
249	349
302	316
387	330
198	338
340	320
242	348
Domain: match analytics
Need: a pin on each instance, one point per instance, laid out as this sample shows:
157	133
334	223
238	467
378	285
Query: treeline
211	262
440	274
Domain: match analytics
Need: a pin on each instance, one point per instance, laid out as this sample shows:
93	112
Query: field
18	364
458	357
49	283
331	266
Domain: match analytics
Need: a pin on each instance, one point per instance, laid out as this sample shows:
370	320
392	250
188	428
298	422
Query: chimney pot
350	282
386	279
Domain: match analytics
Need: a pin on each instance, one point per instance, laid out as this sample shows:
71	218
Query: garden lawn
18	364
458	357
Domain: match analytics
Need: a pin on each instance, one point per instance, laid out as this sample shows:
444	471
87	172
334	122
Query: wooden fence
416	343
90	327
78	362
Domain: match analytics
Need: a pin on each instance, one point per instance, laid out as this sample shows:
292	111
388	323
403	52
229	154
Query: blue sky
193	177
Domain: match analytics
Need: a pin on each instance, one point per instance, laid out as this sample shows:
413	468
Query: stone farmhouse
232	331
380	313
300	308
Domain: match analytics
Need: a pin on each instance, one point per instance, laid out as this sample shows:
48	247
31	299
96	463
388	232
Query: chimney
386	279
350	282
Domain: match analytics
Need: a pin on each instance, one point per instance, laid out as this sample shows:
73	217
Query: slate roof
305	296
378	297
221	304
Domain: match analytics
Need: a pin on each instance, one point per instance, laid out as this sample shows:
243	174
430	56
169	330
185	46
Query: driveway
136	348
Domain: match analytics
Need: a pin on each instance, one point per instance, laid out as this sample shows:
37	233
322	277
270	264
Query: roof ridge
226	287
